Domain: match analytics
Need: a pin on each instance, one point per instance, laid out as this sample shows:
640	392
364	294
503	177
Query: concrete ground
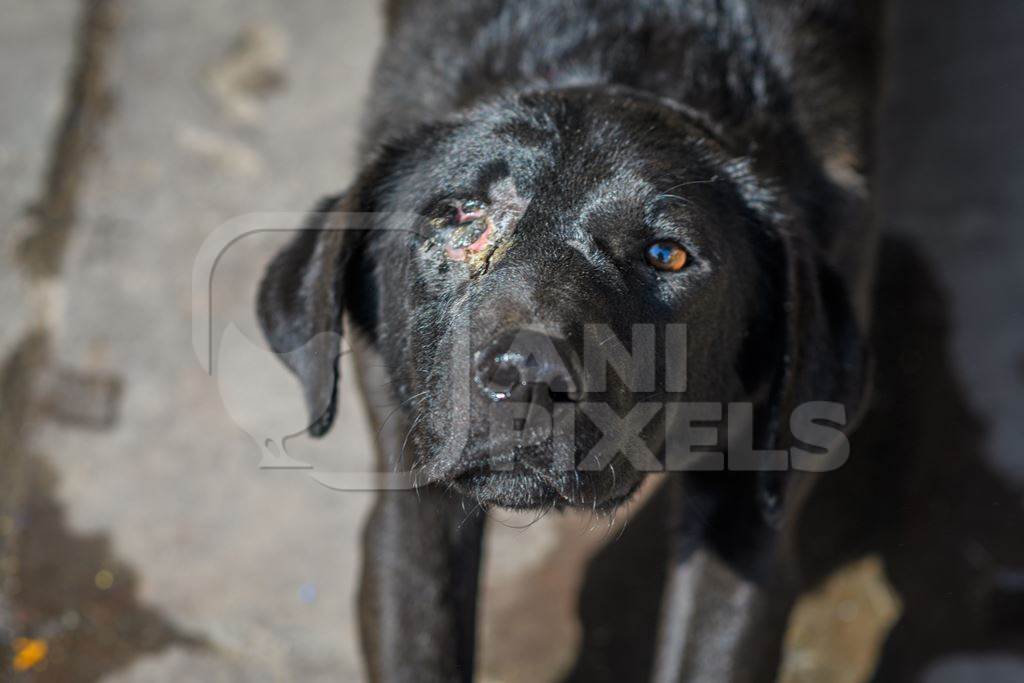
140	540
149	544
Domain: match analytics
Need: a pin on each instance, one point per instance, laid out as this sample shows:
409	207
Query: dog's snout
517	362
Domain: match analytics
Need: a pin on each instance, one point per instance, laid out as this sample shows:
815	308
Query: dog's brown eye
666	255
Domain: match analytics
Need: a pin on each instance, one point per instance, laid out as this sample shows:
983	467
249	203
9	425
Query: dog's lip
509	468
484	469
474	465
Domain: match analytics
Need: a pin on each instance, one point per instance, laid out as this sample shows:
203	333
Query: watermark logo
535	390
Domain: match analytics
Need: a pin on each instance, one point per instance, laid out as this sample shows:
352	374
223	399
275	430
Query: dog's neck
706	54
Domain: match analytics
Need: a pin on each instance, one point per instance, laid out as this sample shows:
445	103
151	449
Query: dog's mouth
531	478
525	438
523	489
510	481
514	490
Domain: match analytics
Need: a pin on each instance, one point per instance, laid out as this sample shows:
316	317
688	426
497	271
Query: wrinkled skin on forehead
537	211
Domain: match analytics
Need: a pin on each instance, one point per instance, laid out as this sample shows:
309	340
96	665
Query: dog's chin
516	476
520	487
512	490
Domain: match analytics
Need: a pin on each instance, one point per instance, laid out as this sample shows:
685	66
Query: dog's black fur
736	128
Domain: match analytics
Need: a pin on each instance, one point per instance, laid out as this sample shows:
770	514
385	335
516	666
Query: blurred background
141	540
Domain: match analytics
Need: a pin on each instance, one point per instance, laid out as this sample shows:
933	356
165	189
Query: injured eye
475	231
467	211
458	212
666	255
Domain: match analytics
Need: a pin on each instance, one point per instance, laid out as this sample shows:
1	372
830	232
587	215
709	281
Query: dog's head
525	270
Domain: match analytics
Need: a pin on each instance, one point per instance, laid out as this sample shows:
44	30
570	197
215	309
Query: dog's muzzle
519	364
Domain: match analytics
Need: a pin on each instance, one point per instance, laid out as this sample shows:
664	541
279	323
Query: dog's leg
724	610
417	603
421	557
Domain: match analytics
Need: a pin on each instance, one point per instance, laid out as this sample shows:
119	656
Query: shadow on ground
76	596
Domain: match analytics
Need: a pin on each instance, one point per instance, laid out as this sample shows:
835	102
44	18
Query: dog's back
746	63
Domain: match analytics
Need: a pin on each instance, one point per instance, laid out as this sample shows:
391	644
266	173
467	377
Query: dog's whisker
383	424
611	525
675	197
419	416
625	520
468	514
400	458
707	181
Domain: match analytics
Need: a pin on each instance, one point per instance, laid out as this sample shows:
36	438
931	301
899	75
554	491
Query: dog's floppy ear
304	292
301	304
824	357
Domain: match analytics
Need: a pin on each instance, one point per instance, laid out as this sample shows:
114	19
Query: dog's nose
517	362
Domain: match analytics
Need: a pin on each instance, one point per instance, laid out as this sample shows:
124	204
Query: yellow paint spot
836	633
104	579
28	652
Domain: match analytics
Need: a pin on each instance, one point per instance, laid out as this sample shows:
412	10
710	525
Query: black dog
540	172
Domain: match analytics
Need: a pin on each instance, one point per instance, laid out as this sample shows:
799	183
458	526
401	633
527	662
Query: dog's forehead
547	125
585	171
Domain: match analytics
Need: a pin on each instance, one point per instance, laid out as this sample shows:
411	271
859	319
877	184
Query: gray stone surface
991	668
222	108
35	53
950	181
224	112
